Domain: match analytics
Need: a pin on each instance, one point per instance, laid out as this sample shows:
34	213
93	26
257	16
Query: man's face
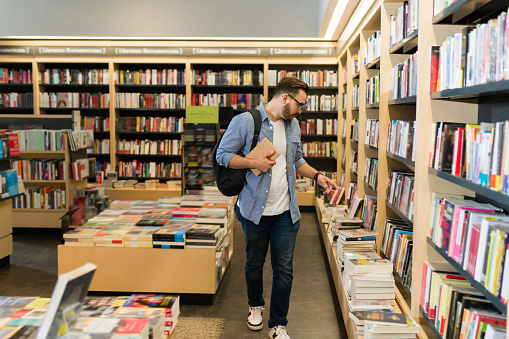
293	106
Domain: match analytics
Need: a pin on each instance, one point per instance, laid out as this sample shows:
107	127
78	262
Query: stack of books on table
356	240
389	325
369	279
171	236
204	236
140	236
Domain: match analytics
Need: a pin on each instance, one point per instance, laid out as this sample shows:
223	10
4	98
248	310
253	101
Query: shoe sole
255	327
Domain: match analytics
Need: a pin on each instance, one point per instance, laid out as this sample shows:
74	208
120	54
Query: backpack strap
257	117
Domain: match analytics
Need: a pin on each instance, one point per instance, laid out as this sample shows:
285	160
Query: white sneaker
278	332
255	318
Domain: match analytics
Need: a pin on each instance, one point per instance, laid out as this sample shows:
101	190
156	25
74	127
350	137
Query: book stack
369	279
140	237
390	325
171	236
381	317
356	240
204	236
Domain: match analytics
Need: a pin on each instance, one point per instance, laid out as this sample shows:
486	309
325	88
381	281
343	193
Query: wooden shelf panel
149	133
376	105
403	101
406	46
74	87
12	196
496	198
501	307
368	190
434	333
400	214
41	154
373	148
491	89
409	163
375	64
43	182
469	11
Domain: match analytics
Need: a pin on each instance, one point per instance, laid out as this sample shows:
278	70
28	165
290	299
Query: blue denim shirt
239	136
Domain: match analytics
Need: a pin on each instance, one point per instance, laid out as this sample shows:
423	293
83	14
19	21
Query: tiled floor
314	310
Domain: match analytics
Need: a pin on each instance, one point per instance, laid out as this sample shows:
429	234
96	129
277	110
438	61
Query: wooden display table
306	198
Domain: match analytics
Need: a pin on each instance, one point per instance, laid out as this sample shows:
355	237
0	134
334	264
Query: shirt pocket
293	147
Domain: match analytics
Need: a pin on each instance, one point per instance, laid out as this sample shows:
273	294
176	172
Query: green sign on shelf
202	114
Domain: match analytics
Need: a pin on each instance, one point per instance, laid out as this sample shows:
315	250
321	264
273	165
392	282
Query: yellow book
489	273
402	248
499	256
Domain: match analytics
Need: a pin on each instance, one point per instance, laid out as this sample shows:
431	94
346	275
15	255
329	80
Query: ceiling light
336	16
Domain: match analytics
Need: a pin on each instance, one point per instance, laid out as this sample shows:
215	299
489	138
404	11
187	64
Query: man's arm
309	172
261	163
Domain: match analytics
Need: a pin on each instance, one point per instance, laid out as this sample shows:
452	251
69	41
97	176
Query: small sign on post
202	114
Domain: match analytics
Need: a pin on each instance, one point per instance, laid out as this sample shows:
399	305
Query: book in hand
263	147
66	301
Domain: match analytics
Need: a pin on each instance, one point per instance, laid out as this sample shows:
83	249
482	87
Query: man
267	205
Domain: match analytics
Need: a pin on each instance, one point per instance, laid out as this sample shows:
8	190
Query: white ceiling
163	18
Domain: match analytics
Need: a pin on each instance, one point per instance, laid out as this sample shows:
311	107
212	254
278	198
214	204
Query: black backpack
231	181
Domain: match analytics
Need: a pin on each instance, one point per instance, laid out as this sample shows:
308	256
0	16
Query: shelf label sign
154	51
78	50
299	52
227	51
16	50
202	114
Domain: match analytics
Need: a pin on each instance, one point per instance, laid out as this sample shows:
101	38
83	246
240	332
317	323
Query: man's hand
263	164
326	183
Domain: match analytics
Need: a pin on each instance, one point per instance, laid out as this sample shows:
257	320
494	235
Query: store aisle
313	308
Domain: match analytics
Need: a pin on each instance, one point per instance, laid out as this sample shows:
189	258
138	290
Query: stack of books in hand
369	279
355	240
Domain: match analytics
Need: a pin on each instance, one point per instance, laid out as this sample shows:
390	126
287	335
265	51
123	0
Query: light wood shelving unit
47	218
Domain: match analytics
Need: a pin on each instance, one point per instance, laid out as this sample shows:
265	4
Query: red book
472	252
435	63
13	145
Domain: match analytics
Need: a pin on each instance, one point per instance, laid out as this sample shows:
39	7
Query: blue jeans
280	232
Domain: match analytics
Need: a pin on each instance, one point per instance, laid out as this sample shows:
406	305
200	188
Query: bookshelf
6	217
16	89
47	218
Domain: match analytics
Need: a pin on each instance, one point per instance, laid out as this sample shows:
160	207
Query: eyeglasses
301	105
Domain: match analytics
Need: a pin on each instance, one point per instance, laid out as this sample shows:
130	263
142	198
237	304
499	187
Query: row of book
74	100
373	90
150	77
15	76
83	168
140	316
325	78
355	63
199	178
9	144
197	156
324	102
17	99
319	126
476	152
150	169
477	241
41	169
404	22
319	149
147	100
373	47
245	77
149	124
48	197
371	173
400	192
96	123
355	97
455	307
371	138
401	139
41	139
354	130
80	139
149	147
403	78
101	146
455	63
397	246
369	213
355	161
235	100
73	76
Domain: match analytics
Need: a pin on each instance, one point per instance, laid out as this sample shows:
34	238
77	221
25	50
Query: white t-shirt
279	196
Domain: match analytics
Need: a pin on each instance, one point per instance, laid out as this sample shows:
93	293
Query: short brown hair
290	85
